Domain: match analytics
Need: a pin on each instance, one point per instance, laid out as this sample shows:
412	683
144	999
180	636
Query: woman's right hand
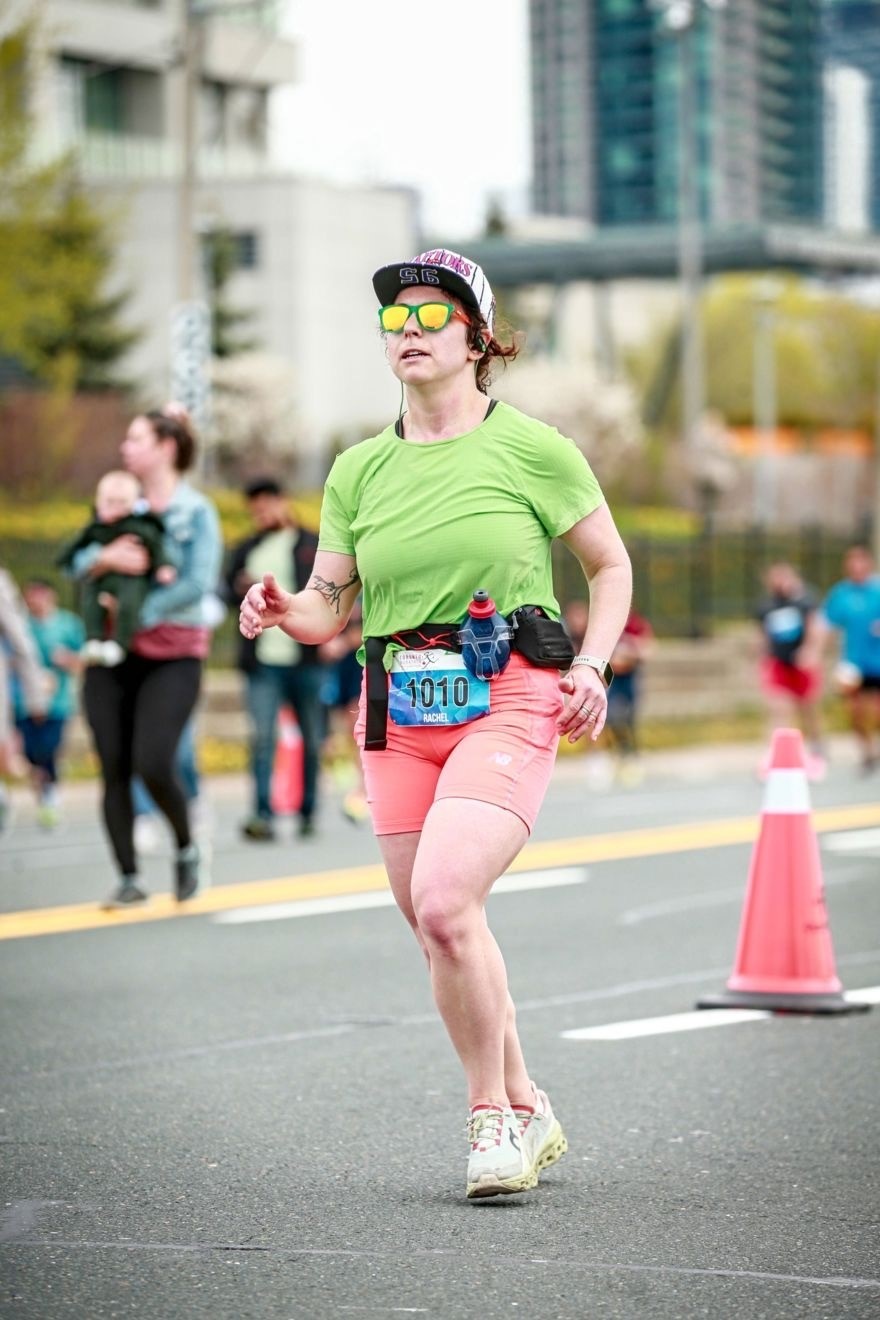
127	554
264	606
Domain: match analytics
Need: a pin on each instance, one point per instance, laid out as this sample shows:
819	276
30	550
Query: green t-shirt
430	523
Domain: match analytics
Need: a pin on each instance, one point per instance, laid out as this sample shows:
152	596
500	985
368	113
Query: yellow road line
652	842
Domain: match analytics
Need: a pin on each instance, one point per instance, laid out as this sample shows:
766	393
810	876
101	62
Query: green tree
56	316
826	350
221	259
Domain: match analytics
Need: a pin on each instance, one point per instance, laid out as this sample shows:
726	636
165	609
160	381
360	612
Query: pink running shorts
505	757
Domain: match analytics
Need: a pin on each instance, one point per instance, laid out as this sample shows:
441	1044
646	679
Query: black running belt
441	635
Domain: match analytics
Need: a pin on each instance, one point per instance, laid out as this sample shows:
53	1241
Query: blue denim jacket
192	530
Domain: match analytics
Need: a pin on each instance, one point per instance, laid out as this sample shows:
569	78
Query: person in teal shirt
852	606
59	637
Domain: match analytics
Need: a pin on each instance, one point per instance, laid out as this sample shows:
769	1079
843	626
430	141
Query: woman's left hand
587	705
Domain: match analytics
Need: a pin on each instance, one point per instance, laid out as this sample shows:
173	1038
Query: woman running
462	494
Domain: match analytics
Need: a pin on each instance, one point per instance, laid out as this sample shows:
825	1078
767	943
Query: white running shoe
495	1165
543	1140
148	834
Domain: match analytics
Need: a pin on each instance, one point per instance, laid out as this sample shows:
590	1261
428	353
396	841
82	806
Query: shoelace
484	1128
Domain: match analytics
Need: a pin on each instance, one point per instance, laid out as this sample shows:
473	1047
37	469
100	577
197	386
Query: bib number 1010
428	692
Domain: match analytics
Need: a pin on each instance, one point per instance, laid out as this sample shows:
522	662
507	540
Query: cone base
781	1003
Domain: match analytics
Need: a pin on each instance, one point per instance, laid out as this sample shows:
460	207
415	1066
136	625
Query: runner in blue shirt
853	607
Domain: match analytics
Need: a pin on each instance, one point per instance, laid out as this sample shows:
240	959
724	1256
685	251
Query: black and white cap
449	271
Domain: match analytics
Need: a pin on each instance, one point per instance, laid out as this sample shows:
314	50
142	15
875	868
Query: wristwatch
602	667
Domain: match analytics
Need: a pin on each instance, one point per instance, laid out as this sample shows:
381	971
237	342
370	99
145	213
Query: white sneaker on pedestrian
148	838
201	821
495	1165
541	1135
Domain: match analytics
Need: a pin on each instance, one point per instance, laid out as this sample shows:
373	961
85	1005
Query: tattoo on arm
332	591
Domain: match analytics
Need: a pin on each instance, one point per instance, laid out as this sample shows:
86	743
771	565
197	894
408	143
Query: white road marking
695	1021
852	841
319	907
663	1026
668	907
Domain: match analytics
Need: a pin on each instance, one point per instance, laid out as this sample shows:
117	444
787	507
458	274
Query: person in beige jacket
18	656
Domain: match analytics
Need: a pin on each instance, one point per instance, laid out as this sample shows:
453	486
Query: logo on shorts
501	758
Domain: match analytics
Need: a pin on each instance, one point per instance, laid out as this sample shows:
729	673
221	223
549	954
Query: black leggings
137	711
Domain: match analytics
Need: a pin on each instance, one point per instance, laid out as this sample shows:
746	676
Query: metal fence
686	588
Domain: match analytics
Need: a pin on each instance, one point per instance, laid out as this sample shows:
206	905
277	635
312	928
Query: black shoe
306	827
187	873
127	894
260	829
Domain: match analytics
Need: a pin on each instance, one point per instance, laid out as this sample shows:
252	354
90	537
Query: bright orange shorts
505	757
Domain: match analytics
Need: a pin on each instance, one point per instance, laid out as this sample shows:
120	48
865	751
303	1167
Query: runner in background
852	608
791	661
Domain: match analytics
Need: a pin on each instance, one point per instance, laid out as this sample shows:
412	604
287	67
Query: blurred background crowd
677	201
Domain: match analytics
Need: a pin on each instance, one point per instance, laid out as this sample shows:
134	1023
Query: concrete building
110	83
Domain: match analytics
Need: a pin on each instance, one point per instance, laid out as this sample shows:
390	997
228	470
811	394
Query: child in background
111	604
59	637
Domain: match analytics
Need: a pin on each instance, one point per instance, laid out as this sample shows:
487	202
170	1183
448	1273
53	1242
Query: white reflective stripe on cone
786	793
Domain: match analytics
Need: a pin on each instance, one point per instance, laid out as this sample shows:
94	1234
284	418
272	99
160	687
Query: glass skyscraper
851	30
605	81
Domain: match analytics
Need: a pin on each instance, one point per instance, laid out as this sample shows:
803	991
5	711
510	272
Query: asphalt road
251	1110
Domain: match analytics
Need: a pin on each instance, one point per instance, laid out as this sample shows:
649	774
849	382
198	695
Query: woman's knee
446	923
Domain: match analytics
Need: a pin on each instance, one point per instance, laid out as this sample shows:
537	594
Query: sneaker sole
488	1184
553	1148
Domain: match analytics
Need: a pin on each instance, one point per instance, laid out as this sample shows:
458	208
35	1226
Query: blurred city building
851	51
111	85
604	91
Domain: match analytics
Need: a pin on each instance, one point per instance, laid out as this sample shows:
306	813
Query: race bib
435	688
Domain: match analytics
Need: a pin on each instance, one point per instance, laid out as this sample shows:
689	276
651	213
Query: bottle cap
482	605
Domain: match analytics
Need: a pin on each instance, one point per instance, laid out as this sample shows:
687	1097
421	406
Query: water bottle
485	637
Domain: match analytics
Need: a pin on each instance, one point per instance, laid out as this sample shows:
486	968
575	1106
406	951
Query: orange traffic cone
784	959
287	771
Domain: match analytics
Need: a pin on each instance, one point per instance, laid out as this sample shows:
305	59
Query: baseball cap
448	270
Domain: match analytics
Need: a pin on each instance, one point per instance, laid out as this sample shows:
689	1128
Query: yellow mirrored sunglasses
430	316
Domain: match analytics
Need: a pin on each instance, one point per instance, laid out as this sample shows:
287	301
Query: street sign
190	358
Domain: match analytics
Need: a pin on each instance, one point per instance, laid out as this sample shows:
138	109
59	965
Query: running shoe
187	873
496	1166
127	894
48	808
259	829
541	1135
354	806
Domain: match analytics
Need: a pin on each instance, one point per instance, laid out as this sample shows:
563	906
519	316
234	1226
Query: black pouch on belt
544	642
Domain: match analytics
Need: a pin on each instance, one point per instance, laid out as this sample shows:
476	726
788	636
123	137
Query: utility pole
186	200
764	404
190	337
689	241
680	18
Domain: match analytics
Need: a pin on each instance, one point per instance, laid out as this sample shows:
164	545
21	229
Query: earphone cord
399	427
